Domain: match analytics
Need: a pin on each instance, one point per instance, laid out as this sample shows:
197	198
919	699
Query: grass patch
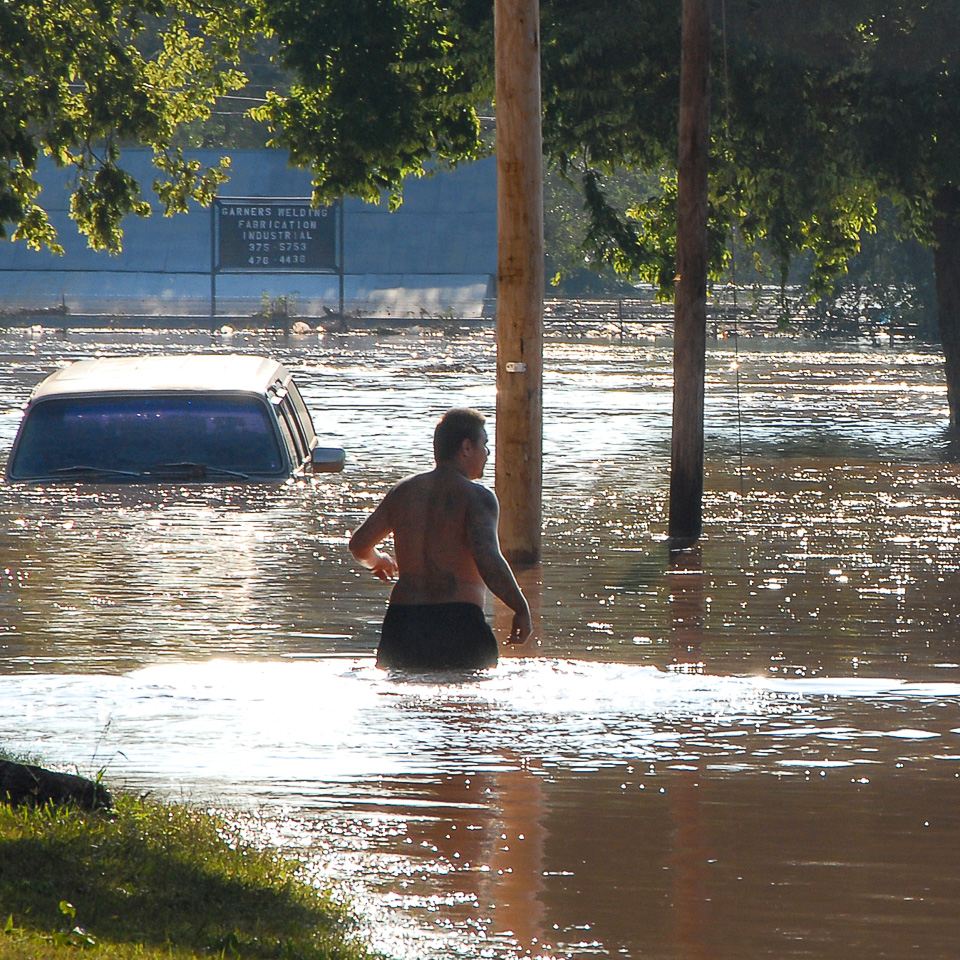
156	880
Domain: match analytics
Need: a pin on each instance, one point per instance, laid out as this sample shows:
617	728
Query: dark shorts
436	636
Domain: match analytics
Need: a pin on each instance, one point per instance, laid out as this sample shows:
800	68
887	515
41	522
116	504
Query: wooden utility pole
520	278
690	311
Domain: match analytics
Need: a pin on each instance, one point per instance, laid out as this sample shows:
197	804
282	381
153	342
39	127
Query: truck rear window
147	434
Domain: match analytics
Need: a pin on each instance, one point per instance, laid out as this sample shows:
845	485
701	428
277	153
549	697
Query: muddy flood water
749	751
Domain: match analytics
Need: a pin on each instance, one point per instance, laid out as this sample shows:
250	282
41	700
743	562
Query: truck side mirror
327	459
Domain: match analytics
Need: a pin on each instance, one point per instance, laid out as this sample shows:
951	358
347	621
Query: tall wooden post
520	278
690	311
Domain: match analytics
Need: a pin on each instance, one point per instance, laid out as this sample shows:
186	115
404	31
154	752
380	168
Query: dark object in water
25	783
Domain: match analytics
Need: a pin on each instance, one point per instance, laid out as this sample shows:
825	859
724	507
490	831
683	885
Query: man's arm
363	543
484	542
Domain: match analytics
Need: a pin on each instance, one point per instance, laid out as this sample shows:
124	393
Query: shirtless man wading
444	529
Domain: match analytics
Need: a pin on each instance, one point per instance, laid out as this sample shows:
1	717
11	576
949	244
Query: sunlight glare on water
261	728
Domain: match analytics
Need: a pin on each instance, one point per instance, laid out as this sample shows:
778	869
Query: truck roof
190	372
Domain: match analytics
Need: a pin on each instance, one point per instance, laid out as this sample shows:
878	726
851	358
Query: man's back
435	520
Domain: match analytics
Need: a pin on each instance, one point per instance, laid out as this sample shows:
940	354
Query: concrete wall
435	256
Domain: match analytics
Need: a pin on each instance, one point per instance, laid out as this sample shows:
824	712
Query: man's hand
382	565
522	627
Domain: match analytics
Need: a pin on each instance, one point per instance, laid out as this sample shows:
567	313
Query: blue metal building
436	256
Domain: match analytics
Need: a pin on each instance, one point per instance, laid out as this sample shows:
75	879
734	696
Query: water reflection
688	608
747	749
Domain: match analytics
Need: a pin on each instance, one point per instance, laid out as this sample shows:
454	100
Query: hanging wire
733	247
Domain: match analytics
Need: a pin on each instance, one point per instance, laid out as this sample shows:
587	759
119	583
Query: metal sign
275	234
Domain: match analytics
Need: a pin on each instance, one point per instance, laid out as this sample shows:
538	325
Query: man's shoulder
419	485
402	490
481	496
412	482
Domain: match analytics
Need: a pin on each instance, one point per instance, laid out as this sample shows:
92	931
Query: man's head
456	428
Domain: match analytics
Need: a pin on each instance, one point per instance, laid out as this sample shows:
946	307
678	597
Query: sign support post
340	259
213	263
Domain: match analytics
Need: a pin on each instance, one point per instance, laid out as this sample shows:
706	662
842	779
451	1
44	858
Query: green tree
890	282
364	93
573	269
383	89
79	79
778	173
820	110
231	125
905	121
